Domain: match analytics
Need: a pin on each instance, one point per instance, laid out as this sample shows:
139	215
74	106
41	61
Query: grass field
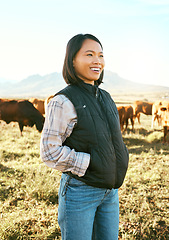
29	189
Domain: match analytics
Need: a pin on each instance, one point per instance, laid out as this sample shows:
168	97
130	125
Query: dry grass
29	189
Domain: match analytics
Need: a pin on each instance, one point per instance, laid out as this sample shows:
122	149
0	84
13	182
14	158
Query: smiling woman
84	56
89	64
82	139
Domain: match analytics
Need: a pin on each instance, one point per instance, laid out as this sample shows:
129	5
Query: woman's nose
96	60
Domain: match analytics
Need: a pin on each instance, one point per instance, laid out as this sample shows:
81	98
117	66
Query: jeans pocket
65	185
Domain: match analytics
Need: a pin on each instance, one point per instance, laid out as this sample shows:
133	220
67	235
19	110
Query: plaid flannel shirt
60	120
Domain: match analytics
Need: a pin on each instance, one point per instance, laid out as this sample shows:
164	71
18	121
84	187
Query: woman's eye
89	54
101	55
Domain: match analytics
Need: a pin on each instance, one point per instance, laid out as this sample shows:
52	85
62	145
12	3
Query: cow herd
32	112
133	112
159	111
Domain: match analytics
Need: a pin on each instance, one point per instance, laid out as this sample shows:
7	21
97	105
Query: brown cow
39	104
23	112
125	113
142	107
164	116
129	115
121	111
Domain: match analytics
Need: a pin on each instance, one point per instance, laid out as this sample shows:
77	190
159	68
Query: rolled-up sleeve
60	120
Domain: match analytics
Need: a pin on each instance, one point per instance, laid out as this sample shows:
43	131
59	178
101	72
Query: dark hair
73	46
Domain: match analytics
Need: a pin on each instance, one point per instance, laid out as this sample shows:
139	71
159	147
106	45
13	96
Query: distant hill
43	86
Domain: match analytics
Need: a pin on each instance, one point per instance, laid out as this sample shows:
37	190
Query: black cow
23	112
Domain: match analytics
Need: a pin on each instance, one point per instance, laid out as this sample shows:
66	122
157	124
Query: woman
82	139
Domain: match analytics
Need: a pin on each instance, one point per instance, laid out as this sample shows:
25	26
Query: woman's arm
59	123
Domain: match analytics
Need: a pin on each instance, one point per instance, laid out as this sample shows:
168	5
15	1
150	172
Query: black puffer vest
98	133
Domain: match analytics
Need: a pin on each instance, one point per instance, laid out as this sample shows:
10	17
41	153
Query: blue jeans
87	213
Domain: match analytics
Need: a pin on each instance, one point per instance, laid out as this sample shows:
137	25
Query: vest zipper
96	93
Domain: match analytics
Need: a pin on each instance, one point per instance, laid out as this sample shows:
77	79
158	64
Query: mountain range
43	86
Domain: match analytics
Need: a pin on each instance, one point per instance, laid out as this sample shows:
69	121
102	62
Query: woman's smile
96	70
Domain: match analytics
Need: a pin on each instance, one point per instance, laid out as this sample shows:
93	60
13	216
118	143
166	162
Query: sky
134	35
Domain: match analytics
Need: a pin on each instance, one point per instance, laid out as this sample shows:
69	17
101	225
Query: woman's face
89	61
